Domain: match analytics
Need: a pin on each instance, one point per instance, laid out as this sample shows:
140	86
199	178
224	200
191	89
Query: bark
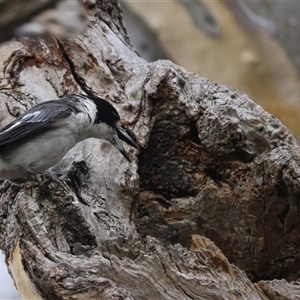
212	163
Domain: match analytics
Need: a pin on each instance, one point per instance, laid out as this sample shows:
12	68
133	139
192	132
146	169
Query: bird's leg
42	178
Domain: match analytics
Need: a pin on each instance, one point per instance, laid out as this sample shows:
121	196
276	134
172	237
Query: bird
39	138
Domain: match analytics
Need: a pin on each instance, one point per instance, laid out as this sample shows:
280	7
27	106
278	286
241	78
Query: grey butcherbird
41	137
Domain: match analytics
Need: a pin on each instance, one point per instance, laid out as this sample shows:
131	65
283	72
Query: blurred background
253	46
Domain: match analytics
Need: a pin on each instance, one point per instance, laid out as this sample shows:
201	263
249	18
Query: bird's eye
115	116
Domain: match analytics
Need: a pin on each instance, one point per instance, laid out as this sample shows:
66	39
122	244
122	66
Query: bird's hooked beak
121	134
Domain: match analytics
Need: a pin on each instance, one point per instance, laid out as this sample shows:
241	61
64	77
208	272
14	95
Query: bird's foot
74	178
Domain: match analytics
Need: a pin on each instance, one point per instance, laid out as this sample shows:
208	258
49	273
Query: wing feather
39	118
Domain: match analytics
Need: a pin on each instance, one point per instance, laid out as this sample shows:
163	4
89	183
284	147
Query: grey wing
39	118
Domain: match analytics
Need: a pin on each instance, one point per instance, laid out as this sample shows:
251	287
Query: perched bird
39	138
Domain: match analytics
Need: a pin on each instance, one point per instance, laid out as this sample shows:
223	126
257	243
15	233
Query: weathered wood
280	289
212	162
217	164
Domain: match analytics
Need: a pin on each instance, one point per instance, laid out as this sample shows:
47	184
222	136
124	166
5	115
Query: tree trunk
213	166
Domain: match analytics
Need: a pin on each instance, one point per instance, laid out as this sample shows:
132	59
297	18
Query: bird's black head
106	113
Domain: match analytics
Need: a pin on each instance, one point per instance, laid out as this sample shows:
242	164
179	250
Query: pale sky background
7	288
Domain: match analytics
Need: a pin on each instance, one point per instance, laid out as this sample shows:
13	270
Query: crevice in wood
80	81
78	175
